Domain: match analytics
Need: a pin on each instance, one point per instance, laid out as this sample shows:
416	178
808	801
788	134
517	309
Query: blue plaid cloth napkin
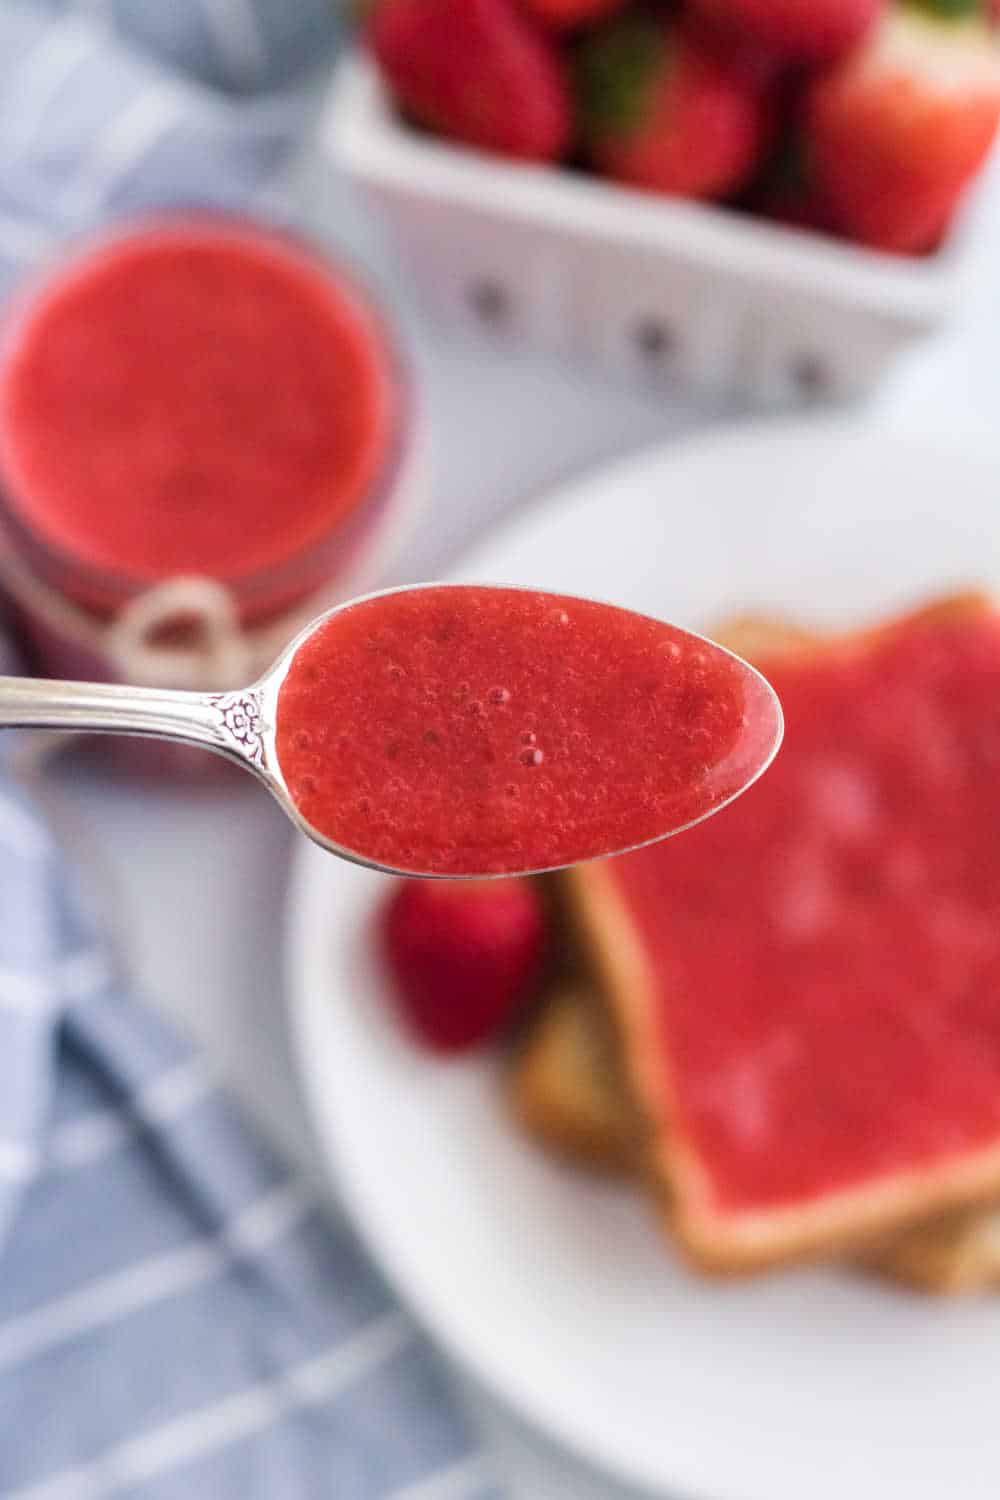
178	1317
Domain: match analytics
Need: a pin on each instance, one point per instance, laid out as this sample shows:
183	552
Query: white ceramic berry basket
647	290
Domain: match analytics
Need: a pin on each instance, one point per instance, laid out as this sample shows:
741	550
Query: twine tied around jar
185	632
182	632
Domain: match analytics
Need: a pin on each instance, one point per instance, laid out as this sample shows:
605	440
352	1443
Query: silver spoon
241	725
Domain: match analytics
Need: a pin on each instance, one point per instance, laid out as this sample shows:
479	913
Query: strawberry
660	113
477	71
804	31
464	956
566	15
760	66
896	133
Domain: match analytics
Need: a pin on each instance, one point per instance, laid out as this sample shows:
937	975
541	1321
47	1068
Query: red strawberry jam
463	730
192	397
825	959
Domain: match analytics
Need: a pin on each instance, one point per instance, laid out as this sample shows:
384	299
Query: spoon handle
228	723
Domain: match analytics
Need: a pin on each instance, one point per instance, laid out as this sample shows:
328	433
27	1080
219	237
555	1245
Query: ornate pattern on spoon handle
241	720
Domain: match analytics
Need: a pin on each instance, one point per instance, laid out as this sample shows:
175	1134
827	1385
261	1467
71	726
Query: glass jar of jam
203	429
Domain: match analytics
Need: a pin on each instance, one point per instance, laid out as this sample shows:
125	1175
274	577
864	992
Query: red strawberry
897	132
760	66
661	114
477	71
464	955
806	31
566	15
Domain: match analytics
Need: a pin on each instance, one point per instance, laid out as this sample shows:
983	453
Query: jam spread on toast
824	960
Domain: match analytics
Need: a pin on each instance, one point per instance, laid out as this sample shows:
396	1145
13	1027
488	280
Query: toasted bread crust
949	1257
843	1222
563	1091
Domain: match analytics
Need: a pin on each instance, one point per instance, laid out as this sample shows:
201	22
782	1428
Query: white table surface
196	877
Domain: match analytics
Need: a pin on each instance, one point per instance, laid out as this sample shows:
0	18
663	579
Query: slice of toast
568	1094
848	1101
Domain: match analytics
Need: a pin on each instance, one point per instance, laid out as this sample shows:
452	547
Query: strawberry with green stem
897	132
660	113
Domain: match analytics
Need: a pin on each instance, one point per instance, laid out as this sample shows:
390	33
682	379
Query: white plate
557	1291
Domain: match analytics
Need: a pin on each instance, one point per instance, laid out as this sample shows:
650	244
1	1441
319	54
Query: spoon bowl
464	731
